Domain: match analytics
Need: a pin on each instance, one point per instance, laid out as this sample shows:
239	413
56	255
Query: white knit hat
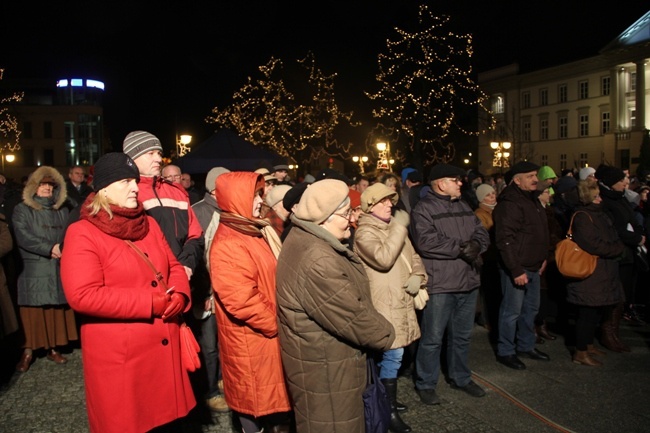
585	172
483	190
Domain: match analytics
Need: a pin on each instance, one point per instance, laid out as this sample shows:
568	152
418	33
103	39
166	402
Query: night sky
165	68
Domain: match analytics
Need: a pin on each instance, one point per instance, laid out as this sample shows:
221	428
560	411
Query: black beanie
609	175
112	167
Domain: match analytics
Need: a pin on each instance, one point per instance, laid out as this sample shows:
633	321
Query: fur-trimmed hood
60	193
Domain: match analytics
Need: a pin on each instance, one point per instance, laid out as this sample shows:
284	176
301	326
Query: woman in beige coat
396	275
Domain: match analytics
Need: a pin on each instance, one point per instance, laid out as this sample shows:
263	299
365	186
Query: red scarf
129	224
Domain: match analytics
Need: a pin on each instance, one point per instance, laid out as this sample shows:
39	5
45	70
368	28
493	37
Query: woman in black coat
594	232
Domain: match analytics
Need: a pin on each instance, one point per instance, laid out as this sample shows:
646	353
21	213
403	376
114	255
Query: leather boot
593	350
542	331
607	337
396	424
617	314
582	357
25	362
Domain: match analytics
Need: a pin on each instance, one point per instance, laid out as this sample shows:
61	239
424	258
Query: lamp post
501	157
10	157
384	162
182	144
361	160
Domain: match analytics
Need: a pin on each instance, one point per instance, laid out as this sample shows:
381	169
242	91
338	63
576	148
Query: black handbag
375	401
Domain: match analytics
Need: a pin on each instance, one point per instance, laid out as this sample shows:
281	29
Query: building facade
61	125
578	114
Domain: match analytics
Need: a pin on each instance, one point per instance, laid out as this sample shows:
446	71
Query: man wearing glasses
449	238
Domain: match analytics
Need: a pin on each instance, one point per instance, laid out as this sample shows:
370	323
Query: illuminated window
498	105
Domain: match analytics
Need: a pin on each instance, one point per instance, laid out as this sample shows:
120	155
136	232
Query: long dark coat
594	232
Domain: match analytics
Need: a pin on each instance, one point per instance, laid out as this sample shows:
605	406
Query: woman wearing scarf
38	222
243	259
134	378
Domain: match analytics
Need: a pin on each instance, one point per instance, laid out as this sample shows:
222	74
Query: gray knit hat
137	143
212	176
321	199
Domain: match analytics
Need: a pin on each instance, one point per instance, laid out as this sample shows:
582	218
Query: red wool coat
242	270
132	363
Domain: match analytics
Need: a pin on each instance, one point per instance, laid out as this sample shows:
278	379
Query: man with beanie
521	234
450	239
167	202
613	183
279	214
203	320
326	319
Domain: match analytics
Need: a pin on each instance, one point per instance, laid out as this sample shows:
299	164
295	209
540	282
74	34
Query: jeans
519	307
453	312
207	338
390	363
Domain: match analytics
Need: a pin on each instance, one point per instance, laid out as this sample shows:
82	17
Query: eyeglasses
454	179
346	215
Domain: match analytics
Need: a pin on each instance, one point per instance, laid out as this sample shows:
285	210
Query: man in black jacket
521	235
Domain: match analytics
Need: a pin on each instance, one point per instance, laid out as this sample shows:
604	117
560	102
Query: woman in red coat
130	336
242	269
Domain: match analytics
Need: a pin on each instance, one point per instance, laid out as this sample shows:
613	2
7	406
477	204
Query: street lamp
501	156
361	160
182	145
384	162
10	157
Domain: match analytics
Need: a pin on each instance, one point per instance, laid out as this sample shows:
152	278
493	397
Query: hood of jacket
235	192
60	193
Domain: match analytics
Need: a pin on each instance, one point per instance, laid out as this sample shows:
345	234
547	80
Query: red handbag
189	346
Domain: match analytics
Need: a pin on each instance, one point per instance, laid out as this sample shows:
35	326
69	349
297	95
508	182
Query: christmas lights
426	87
9	132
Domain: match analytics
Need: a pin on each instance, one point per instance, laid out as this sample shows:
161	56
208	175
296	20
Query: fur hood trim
34	180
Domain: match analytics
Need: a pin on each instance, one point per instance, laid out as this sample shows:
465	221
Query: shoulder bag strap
158	275
569	232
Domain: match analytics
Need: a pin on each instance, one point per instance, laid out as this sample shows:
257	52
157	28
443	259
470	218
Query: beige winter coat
390	259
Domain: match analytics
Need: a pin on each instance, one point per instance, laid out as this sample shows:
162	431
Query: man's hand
469	251
189	272
521	280
56	251
543	268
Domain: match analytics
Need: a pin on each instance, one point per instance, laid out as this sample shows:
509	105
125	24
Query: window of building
583	160
584	125
632	81
48	156
605	86
562	161
562	93
47	129
604	122
525	127
633	117
584	89
27	130
498	105
525	100
543	129
544	159
563	130
543	97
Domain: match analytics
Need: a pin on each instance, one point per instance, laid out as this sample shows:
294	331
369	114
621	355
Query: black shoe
471	388
428	396
536	355
511	361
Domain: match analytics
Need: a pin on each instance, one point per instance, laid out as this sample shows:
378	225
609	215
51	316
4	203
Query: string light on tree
9	132
426	87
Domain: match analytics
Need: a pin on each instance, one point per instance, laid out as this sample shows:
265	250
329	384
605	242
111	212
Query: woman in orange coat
243	258
131	341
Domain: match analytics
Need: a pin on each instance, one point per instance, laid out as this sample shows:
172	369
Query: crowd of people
290	286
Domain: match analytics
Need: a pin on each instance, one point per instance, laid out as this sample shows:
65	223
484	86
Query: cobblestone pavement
546	397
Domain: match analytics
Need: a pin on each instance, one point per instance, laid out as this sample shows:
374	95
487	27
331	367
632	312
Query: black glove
469	251
478	264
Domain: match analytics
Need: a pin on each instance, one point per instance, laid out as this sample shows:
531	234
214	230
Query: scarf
128	224
257	227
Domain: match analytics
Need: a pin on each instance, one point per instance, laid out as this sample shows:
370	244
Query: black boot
396	424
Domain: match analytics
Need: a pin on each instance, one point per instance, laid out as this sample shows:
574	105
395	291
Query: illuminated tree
426	91
299	123
9	132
